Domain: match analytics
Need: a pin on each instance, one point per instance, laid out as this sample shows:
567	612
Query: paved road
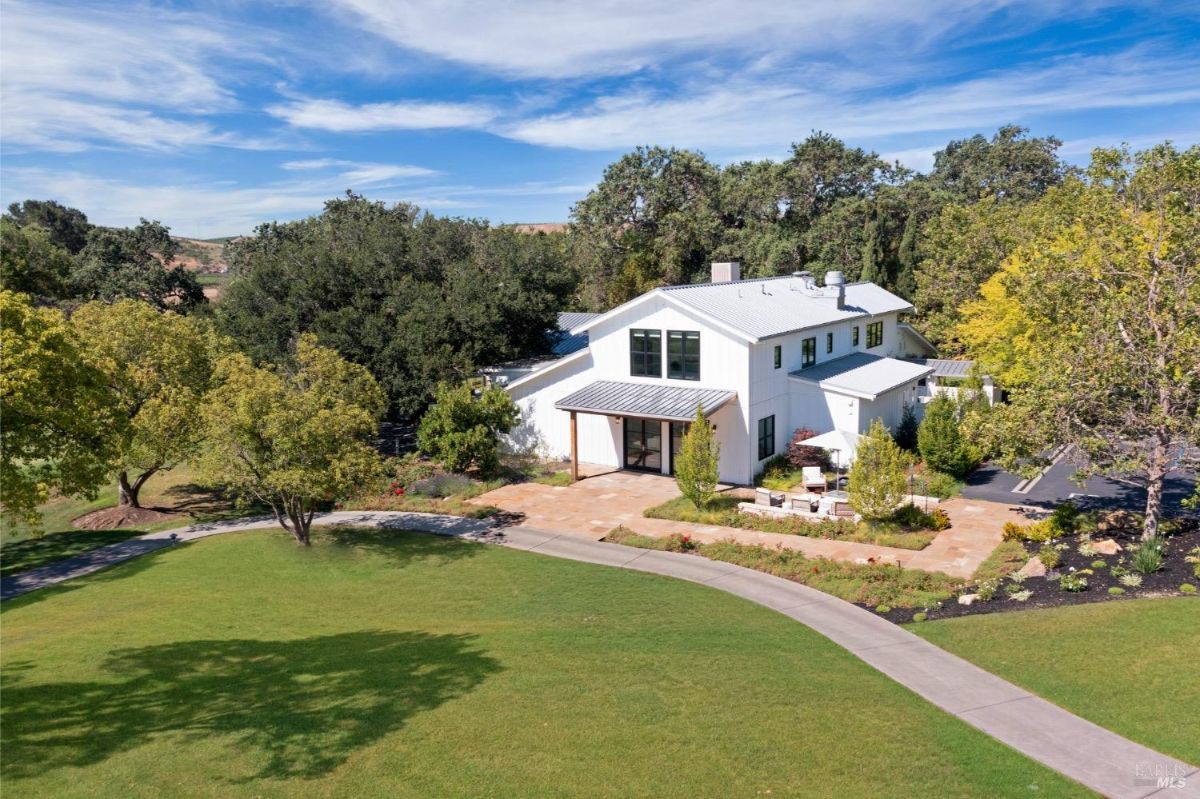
1096	757
996	485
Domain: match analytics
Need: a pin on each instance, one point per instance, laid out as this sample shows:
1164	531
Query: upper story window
828	342
683	354
778	356
808	352
854	336
874	334
645	353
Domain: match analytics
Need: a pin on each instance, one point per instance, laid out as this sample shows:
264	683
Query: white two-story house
760	357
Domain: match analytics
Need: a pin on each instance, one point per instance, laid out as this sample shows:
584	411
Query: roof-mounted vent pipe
835	283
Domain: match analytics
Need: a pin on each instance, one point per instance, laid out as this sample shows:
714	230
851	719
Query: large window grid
683	354
645	353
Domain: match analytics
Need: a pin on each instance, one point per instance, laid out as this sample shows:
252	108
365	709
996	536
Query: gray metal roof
565	343
862	374
775	306
649	400
943	367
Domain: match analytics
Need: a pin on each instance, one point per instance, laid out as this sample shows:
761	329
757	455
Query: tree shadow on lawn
304	706
399	546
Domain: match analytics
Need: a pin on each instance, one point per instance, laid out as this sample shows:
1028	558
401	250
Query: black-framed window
683	354
828	342
645	353
766	437
808	352
874	334
778	356
854	336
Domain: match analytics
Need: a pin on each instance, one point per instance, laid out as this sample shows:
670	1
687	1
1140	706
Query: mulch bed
124	517
1048	593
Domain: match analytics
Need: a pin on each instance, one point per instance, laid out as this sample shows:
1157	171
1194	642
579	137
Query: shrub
1130	580
1187	588
1021	596
877	479
939	520
1018	577
1099	564
1012	588
697	461
1049	556
1014	531
1064	516
1073	581
883	609
906	431
409	469
460	431
1115	590
986	591
1086	548
1193	557
932	483
919	617
679	542
913	518
1147	557
938	438
800	455
442	485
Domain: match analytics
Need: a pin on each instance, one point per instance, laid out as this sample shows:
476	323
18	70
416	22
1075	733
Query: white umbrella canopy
845	443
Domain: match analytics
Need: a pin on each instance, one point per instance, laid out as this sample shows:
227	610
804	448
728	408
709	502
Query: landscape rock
1106	547
1033	568
967	599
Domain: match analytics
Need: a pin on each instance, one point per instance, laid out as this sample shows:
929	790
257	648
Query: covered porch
652	419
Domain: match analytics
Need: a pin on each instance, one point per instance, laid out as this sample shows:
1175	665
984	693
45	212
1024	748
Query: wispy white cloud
551	39
339	117
211	208
767	111
74	77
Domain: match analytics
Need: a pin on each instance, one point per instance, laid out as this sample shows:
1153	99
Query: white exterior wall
889	407
723	365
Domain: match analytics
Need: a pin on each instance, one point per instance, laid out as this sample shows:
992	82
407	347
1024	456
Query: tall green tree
294	438
877	478
157	367
1012	166
58	412
30	261
940	440
696	465
1092	322
134	263
67	228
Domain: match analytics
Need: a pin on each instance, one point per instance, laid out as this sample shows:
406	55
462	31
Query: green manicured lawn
722	511
394	665
1129	666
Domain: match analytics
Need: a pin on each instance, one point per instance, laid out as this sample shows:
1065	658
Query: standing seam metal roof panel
640	399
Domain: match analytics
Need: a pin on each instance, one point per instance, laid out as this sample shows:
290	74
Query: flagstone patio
606	498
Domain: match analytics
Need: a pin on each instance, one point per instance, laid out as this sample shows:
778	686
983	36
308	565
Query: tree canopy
1091	322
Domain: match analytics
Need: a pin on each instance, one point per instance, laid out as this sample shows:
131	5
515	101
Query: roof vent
835	278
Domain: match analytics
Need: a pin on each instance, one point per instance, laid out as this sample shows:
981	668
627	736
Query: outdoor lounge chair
842	510
763	496
813	479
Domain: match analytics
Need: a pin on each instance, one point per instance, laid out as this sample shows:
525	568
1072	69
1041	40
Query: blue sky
215	116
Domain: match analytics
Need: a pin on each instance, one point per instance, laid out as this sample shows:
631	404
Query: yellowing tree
157	366
293	438
58	416
1093	324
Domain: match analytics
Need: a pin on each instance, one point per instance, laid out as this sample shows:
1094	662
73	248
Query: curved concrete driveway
1100	759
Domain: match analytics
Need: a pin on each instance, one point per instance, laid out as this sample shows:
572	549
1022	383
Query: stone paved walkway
1096	757
593	506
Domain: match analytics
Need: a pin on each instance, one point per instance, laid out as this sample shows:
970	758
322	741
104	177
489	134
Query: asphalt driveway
996	485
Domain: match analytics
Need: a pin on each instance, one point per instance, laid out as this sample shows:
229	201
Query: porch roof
647	400
862	375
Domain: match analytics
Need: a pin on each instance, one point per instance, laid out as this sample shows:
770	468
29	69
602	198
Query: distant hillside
203	255
540	227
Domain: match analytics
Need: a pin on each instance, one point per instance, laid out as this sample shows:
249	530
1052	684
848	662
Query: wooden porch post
574	449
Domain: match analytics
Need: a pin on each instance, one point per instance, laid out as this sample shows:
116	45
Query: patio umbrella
843	444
